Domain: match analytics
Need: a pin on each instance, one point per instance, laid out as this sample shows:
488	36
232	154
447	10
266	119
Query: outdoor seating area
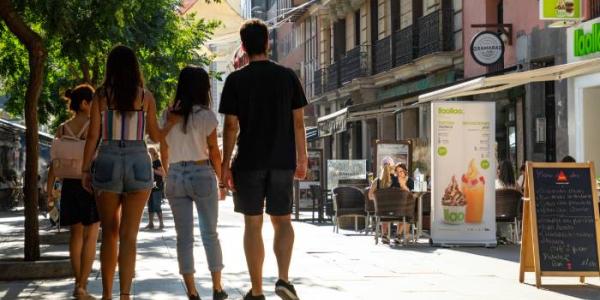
401	209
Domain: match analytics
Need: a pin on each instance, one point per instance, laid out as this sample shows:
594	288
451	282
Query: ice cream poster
463	173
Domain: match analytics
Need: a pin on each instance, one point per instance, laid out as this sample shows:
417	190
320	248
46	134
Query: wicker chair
348	201
508	202
426	222
370	211
394	205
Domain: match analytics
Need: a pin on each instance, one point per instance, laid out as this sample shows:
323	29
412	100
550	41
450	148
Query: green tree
79	34
47	46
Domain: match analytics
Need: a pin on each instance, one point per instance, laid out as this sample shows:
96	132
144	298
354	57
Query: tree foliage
78	35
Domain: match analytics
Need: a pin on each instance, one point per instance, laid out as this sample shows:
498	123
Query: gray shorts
122	167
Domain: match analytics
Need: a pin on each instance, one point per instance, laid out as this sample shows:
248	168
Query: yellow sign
560	9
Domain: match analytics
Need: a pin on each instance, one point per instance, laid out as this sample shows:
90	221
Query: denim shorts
123	167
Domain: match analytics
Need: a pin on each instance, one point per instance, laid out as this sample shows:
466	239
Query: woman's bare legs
190	285
88	253
109	205
133	207
75	245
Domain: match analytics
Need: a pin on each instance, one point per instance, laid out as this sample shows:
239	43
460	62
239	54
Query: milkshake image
453	204
473	189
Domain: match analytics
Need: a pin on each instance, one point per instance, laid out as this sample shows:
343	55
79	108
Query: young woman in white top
193	161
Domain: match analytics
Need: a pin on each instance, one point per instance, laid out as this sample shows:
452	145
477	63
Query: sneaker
220	295
285	290
250	297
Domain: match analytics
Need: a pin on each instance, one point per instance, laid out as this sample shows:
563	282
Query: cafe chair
348	201
425	217
508	202
394	205
370	212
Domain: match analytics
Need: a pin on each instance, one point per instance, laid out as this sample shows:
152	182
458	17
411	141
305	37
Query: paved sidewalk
344	266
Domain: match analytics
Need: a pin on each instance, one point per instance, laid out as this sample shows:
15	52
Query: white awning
485	85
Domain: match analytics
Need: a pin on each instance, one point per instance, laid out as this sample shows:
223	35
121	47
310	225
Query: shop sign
560	9
463	173
487	48
586	43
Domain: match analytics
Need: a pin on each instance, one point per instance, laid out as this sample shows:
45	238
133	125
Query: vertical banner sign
560	9
463	173
313	177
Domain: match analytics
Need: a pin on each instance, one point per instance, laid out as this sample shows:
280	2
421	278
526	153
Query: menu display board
561	224
399	151
345	169
313	177
463	173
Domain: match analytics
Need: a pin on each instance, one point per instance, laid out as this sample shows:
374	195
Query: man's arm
300	138
230	131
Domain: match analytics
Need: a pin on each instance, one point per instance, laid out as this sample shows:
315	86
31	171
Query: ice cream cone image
453	204
473	189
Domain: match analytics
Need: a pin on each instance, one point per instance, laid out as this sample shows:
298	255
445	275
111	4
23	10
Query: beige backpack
67	153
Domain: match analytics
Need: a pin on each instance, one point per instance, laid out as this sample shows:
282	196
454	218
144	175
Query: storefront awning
485	85
333	123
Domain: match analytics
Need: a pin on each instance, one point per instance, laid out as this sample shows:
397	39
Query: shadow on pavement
504	252
580	291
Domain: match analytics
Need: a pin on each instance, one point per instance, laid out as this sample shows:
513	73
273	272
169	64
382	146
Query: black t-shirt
263	95
157	178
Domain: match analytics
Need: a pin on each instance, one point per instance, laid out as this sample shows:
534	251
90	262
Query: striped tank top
127	125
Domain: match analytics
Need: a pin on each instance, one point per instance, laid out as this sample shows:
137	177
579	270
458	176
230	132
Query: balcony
406	44
318	81
333	77
382	55
435	32
354	64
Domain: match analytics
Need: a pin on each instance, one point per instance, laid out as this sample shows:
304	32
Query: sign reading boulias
487	48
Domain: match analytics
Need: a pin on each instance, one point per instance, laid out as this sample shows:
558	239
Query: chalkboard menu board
564	208
560	221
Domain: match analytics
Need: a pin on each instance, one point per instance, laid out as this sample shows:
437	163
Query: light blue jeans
188	183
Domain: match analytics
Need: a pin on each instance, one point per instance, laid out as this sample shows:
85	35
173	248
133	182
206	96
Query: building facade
366	61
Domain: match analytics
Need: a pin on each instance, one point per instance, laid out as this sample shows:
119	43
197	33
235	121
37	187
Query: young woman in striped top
121	113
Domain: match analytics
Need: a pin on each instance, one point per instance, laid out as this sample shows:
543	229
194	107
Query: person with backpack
77	207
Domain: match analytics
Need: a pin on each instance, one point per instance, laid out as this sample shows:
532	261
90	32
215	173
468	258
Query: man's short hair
254	34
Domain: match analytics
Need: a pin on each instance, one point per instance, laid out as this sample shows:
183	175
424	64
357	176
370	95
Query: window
594	9
357	28
458	25
395	14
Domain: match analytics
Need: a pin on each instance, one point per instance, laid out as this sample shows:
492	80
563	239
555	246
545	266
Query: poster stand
530	244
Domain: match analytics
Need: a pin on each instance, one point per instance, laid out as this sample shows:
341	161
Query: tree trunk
95	71
85	69
37	59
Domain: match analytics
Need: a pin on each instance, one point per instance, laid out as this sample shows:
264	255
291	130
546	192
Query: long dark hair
122	79
193	88
506	173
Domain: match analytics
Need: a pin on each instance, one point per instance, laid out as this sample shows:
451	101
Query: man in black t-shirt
265	102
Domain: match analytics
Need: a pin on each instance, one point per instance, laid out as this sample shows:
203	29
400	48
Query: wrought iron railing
318	81
354	64
382	55
435	32
333	77
405	45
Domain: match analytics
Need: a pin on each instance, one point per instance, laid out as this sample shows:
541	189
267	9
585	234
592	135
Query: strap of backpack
83	129
69	131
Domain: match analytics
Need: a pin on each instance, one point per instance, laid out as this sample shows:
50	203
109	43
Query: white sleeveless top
191	145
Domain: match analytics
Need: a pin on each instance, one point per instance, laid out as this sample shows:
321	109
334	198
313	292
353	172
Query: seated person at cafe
387	179
506	176
404	180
